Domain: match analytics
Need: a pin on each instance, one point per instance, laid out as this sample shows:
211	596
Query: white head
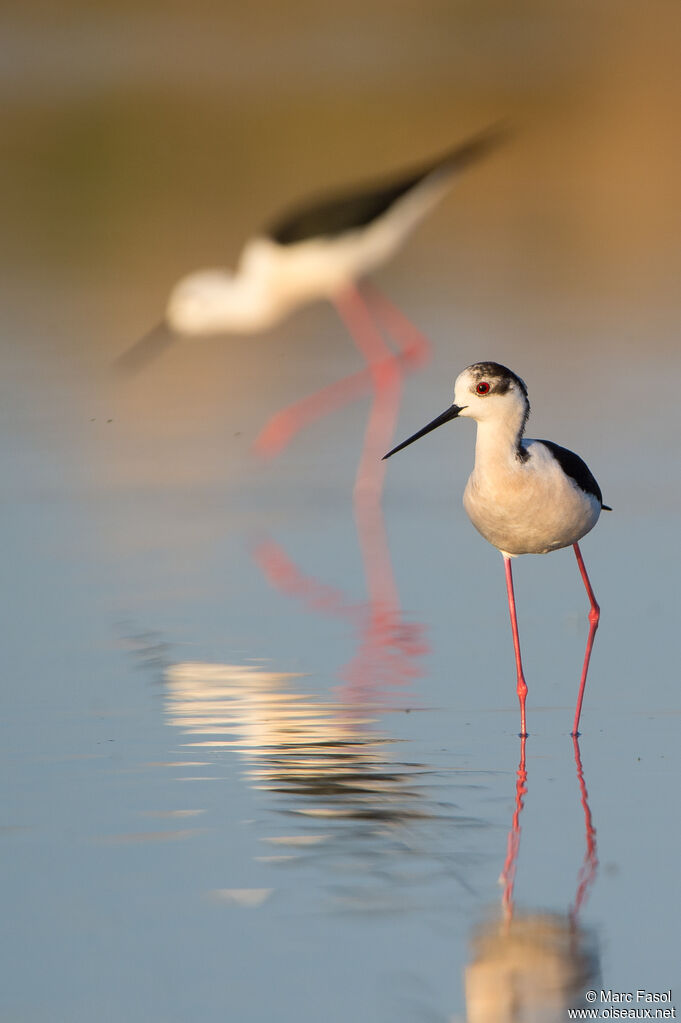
486	392
216	301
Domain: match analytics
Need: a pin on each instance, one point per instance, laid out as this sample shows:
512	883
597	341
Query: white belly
531	509
323	266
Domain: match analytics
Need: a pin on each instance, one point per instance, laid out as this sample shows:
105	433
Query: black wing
344	211
574	467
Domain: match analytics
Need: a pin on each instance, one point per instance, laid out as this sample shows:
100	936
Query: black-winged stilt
323	248
524	496
318	250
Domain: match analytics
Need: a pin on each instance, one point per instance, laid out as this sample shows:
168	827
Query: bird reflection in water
359	806
530	967
371	824
293	742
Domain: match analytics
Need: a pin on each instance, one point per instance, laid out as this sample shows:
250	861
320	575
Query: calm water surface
259	742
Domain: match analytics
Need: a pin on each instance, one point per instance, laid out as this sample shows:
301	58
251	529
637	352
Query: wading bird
322	249
524	496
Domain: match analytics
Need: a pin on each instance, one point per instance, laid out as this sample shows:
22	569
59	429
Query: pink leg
381	365
354	312
522	685
284	425
414	346
594	617
387	376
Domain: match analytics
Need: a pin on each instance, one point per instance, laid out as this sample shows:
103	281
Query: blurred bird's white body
273	279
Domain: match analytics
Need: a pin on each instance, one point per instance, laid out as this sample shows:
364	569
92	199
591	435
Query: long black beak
144	351
450	413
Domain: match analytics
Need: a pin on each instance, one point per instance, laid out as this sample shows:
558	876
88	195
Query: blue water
286	838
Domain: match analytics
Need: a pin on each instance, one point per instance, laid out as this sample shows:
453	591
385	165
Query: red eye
483	387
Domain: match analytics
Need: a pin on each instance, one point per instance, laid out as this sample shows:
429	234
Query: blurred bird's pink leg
386	376
354	312
353	307
285	424
594	618
415	348
522	685
381	365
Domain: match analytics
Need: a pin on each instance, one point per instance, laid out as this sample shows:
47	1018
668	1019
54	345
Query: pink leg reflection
353	306
387	648
285	576
589	867
513	843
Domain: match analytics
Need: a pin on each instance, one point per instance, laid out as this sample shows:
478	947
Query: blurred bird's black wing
356	208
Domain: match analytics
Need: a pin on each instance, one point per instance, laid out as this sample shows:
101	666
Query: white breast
531	506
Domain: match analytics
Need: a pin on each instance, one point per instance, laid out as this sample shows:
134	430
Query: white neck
497	441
